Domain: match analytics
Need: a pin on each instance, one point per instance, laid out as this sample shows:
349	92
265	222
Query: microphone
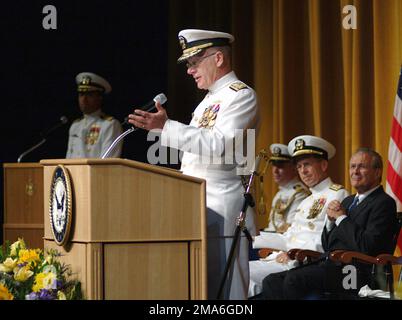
63	121
161	98
150	106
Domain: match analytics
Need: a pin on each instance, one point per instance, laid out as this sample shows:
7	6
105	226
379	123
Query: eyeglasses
196	63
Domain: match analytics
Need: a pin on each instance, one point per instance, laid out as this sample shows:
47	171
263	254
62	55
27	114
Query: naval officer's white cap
89	81
311	145
279	152
193	41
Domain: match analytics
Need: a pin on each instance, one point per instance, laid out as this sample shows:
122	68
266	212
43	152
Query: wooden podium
138	231
23	203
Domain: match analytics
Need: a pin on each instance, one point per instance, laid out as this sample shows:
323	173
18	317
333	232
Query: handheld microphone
63	121
161	98
150	106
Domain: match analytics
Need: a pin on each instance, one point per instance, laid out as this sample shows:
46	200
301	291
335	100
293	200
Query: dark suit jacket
369	228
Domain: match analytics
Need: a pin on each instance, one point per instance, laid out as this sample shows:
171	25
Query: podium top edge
123	162
22	165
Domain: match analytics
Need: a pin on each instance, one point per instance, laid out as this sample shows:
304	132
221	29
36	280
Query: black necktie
354	203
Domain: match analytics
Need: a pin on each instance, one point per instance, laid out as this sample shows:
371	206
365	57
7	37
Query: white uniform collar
222	82
324	184
95	114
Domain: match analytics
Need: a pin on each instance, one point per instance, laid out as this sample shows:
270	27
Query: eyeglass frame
196	63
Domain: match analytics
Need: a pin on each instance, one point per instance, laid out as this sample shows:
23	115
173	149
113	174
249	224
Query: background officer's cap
311	145
88	81
193	41
279	152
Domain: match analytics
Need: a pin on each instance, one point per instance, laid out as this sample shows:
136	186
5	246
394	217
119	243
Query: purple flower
46	295
59	284
32	296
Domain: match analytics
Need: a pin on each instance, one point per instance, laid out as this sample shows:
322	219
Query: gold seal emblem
277	152
60	205
183	42
86	80
29	188
299	145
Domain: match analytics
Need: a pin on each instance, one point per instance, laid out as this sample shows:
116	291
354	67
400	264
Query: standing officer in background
291	190
311	155
211	151
92	134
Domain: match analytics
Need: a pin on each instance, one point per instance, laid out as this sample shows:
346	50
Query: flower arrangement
31	274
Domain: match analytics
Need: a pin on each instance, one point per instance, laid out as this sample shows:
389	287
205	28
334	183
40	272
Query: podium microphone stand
240	227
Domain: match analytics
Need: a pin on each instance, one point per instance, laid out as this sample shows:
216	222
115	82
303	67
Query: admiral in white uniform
92	134
229	108
311	154
291	190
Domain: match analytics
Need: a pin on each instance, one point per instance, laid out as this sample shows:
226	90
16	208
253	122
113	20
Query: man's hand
282	258
335	210
148	120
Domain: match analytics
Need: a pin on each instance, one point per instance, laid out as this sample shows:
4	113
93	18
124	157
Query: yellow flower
45	280
61	295
38	285
22	274
28	256
19	244
8	265
5	294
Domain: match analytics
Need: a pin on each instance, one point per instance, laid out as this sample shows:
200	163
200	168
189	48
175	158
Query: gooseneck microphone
44	135
161	98
62	122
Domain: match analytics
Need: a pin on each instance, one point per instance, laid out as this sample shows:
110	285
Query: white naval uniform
91	135
288	199
304	233
237	109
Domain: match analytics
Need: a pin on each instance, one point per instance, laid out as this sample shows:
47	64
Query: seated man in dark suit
365	222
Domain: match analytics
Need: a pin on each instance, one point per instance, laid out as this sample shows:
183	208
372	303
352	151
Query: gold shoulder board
236	86
299	189
106	117
336	187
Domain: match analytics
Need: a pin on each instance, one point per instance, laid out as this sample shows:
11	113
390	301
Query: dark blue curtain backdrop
124	41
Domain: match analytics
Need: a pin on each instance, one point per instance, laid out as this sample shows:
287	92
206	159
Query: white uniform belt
210	173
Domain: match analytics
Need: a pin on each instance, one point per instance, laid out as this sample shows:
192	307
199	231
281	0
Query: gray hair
227	52
376	161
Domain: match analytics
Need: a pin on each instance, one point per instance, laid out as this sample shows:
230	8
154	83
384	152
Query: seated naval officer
291	190
311	155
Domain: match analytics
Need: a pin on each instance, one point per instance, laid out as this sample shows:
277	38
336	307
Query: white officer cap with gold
88	81
193	41
311	145
279	152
